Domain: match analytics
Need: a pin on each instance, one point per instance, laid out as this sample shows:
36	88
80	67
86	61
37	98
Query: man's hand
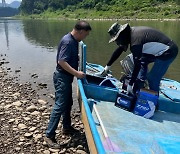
80	74
130	89
68	68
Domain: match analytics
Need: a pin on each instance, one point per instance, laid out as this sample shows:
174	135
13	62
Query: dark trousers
63	102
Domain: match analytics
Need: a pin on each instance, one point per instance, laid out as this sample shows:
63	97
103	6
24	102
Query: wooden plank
89	137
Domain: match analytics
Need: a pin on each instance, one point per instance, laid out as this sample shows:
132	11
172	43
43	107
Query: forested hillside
8	12
102	8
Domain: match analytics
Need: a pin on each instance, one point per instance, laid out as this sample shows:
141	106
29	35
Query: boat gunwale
95	134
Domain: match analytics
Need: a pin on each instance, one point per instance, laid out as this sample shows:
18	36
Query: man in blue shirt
147	45
66	69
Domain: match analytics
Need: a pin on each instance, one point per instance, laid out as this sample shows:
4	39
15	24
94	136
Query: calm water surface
31	45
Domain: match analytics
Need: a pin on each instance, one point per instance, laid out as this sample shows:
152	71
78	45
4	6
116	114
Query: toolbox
125	101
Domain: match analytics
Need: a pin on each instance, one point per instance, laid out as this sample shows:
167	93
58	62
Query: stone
11	120
42	102
54	150
81	152
31	108
24	116
32	129
27	118
22	126
46	152
28	135
17	103
37	137
8	106
35	113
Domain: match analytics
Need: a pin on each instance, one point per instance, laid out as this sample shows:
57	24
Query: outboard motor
127	65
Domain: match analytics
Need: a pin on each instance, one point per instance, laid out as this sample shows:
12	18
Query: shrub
166	13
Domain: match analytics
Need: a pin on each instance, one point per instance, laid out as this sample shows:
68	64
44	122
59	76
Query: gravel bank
24	115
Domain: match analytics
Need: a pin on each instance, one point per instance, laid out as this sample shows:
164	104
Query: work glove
105	71
130	89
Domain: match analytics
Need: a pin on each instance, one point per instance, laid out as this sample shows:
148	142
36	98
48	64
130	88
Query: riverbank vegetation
102	9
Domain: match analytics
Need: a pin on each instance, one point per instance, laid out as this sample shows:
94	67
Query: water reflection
26	54
6	32
46	33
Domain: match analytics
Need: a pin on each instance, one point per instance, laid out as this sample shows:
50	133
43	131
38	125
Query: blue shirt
68	51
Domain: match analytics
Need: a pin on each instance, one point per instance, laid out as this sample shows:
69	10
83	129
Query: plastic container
125	101
146	103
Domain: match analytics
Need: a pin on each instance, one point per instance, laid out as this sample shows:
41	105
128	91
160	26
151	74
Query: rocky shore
24	115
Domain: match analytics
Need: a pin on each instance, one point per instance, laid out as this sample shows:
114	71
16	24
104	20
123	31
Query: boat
110	129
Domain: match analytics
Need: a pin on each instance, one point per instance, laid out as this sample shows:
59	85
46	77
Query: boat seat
169	100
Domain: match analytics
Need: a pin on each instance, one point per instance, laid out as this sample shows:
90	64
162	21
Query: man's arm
113	58
137	57
71	70
137	54
116	55
137	66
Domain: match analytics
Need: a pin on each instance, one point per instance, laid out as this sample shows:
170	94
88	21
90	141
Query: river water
31	46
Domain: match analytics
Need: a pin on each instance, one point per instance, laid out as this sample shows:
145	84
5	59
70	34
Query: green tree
56	4
39	6
27	6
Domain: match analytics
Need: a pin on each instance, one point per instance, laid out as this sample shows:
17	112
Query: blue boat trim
97	140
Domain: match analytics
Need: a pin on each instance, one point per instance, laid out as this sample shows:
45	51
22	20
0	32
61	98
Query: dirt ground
24	115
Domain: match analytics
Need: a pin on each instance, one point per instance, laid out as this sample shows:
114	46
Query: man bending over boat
147	45
66	69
